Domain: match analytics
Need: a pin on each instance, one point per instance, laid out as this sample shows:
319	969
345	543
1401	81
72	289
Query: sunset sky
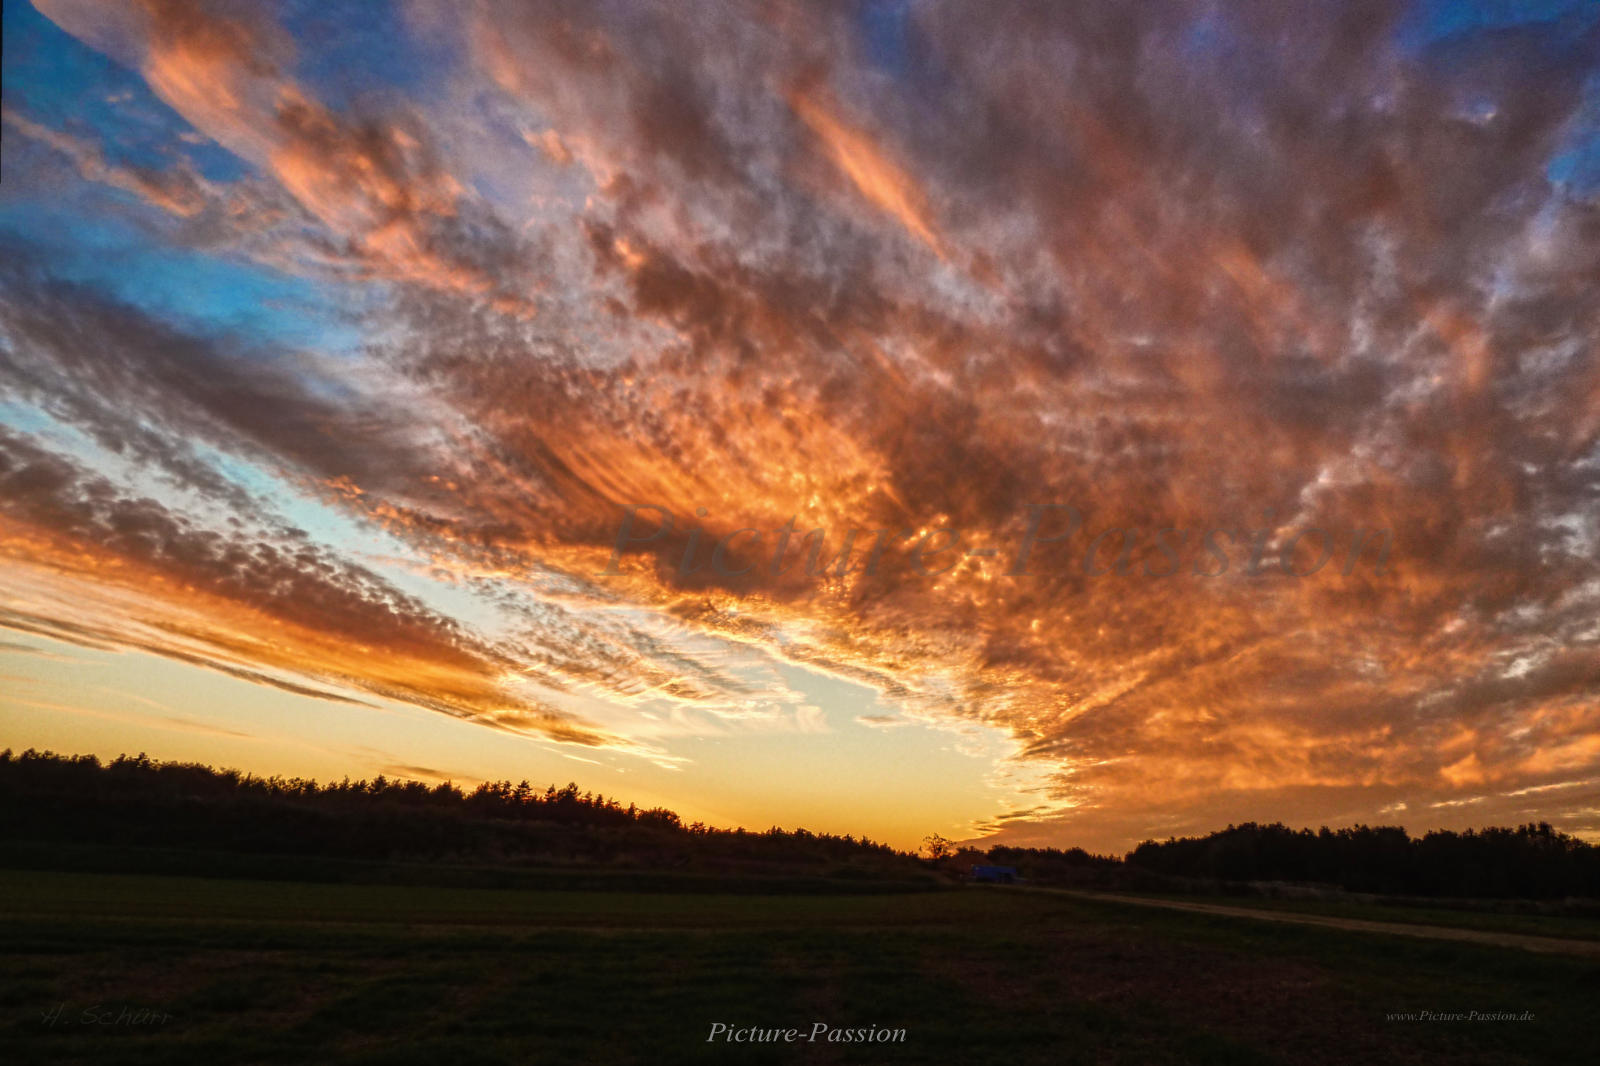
338	339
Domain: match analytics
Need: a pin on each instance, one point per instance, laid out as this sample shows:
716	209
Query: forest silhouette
60	805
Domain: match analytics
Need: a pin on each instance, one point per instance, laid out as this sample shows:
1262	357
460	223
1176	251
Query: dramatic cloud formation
1189	297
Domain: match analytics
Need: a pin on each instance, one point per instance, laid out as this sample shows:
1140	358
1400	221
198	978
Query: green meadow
102	968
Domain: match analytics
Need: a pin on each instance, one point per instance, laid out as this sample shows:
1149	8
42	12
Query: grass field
111	969
1567	927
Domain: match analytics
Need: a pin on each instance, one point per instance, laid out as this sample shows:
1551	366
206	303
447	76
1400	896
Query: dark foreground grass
109	969
1566	927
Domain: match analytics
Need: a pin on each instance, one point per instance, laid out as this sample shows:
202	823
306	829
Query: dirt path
1525	941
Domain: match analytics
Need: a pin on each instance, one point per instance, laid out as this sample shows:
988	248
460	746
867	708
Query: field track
1549	944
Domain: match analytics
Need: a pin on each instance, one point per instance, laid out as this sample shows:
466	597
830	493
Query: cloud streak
1181	268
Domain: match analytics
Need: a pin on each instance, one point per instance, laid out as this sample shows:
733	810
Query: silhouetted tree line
1063	868
1040	860
1532	861
134	800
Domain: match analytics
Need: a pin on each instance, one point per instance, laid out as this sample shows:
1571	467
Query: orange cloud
873	173
1188	306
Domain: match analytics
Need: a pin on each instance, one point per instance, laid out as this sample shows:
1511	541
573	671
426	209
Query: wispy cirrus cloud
1193	269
